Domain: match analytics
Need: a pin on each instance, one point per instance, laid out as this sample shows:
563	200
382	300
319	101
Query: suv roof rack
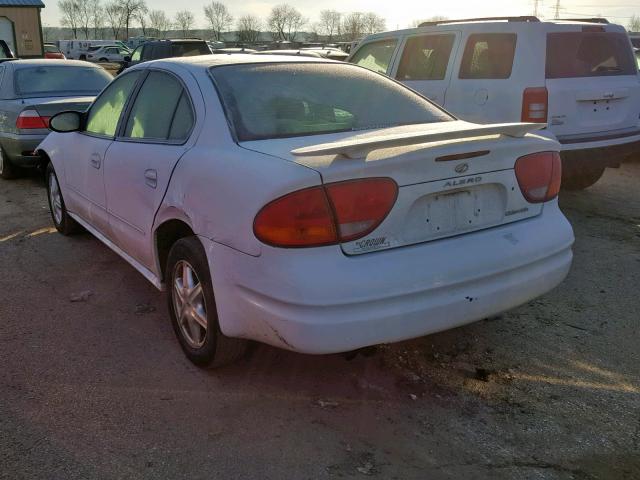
586	20
481	19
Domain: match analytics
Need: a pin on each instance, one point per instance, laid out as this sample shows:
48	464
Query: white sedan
309	204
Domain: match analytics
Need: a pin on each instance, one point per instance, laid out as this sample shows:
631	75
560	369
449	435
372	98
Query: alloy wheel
55	199
189	304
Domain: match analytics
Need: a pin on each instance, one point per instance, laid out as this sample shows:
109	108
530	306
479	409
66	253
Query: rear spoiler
359	145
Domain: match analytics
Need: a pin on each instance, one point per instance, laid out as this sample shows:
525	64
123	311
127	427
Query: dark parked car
157	49
31	91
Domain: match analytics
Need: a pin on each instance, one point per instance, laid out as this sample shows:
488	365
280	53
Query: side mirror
64	122
127	58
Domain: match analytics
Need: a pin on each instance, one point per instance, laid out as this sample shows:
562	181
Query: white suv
579	77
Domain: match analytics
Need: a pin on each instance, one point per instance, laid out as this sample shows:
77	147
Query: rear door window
425	57
154	120
376	56
488	56
588	54
189	49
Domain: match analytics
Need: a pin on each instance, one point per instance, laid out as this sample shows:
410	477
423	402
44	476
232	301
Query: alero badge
462	168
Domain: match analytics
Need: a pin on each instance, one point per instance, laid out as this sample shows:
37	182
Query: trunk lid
453	177
49	106
592	81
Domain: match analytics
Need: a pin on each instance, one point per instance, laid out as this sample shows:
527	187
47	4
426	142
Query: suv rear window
488	55
375	56
189	49
297	99
588	54
425	57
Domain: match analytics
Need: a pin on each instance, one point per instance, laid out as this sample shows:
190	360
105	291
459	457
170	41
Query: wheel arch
166	234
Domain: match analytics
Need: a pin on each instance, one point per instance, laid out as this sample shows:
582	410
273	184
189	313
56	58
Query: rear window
488	55
60	80
425	58
189	49
295	99
589	54
375	56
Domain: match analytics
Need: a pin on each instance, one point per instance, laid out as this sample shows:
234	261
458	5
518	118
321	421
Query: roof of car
216	60
42	62
176	40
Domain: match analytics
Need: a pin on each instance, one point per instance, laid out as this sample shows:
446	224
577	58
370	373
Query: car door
84	160
139	164
484	91
425	63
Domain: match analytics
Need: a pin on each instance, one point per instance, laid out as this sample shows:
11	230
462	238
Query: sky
398	13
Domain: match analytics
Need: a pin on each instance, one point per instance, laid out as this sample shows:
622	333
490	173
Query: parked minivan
580	77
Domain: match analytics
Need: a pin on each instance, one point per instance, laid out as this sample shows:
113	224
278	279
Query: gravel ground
98	388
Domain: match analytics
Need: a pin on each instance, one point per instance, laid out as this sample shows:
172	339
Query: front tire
192	307
61	218
8	170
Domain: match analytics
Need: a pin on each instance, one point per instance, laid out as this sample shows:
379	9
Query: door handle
95	160
151	178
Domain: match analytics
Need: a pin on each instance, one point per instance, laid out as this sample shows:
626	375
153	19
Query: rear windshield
295	99
60	80
189	49
589	54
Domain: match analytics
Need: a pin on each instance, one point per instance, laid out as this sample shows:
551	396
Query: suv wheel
192	307
578	175
61	218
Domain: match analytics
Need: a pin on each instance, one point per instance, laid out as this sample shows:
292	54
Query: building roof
21	3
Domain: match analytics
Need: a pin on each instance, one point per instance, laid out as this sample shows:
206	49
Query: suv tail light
535	102
539	176
326	215
30	119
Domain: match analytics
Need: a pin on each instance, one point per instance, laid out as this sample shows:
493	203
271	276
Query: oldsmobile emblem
462	167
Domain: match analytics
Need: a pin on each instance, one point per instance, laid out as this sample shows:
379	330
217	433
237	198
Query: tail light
30	119
535	102
539	176
326	215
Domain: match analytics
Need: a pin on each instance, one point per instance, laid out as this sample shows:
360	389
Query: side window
488	55
375	56
135	56
426	57
105	111
151	119
147	53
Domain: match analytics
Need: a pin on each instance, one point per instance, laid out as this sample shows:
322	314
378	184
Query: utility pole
557	15
536	4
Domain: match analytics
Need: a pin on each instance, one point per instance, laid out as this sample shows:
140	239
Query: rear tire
8	170
61	218
192	307
580	174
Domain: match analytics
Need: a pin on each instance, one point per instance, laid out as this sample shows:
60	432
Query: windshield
60	80
294	99
589	54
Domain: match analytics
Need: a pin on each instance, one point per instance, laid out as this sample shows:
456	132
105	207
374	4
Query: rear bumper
18	148
321	301
606	148
608	156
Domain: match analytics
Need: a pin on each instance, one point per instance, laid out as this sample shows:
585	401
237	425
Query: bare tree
353	25
70	11
97	17
130	10
634	23
115	17
184	22
159	22
329	24
249	28
285	22
143	20
84	17
219	18
373	23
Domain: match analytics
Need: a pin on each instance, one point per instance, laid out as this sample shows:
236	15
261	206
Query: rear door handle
95	160
151	178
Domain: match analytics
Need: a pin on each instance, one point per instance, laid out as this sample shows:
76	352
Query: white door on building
6	33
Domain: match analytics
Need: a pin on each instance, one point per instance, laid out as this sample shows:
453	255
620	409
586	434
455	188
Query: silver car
32	91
